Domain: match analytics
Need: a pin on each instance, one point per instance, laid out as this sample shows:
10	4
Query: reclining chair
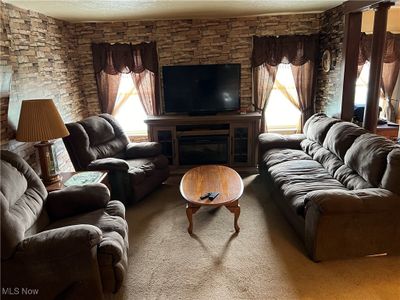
99	143
68	244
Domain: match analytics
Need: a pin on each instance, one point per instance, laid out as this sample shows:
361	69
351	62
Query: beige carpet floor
266	260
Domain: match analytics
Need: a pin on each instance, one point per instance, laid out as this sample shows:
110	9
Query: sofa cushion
98	129
310	147
350	178
105	222
298	177
368	157
317	127
391	177
277	156
328	160
341	136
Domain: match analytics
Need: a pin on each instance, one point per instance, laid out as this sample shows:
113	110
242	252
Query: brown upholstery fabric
22	197
317	127
341	136
391	177
329	191
99	143
77	200
145	149
368	157
61	258
273	140
296	178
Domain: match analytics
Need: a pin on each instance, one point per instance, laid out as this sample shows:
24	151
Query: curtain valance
124	58
392	49
272	50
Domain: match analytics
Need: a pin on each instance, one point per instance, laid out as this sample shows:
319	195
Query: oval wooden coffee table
211	178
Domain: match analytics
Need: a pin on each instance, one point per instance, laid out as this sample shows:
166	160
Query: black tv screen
201	89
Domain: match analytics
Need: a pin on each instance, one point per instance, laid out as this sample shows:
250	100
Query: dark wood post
375	71
351	45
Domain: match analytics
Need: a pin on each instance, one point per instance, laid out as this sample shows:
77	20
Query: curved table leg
234	208
190	210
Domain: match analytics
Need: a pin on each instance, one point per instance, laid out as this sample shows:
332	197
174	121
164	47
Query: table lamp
39	121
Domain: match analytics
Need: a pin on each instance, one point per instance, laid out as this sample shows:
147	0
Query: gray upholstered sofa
68	244
99	143
338	185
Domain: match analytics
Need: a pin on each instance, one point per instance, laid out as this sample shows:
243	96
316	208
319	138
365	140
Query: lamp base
47	163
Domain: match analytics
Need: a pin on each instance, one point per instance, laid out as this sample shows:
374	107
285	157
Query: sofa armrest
75	200
356	201
143	149
342	224
109	164
59	243
269	141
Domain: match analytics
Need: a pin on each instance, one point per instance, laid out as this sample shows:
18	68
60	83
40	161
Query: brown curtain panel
145	85
110	60
264	79
390	67
390	73
301	52
107	86
304	81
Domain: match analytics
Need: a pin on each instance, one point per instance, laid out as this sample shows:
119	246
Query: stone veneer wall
41	52
329	85
182	42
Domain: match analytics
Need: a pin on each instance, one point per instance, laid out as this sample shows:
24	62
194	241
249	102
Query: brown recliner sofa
68	244
338	185
99	143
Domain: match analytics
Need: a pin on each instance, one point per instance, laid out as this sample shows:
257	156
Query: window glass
281	114
128	109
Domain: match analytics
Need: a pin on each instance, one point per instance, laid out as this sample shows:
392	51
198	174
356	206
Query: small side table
66	175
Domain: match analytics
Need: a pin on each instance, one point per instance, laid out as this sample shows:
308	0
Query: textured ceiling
120	10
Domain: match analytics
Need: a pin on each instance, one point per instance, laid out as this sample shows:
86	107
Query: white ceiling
122	10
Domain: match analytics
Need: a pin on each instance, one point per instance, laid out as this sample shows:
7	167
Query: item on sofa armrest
274	140
110	164
76	200
143	149
356	201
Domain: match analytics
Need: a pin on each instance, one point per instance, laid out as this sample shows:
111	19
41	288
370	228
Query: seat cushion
107	220
141	168
277	156
298	177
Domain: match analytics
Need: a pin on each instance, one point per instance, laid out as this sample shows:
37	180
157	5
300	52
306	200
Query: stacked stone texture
183	42
329	85
41	52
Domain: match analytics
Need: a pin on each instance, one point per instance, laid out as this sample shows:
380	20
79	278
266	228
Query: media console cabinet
228	139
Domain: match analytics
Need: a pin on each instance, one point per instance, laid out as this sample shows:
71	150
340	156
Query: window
362	88
281	115
128	109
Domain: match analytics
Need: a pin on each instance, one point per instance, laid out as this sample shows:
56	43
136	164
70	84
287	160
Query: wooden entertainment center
192	140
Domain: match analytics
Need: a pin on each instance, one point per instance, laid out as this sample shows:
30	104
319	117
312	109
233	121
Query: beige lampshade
40	120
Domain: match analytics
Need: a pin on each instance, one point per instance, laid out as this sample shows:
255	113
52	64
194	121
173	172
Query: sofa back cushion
22	196
368	157
391	177
94	138
317	127
341	136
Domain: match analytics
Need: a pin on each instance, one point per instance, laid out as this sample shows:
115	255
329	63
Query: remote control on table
206	195
212	196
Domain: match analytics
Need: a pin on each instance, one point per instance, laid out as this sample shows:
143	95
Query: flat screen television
201	89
